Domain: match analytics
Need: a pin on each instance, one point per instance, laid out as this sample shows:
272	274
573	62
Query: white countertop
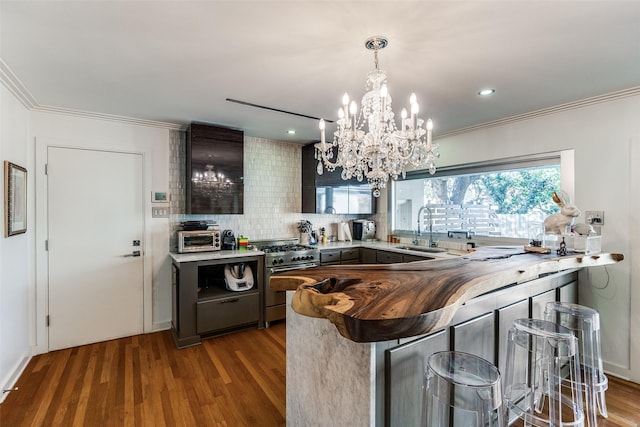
213	255
379	245
385	246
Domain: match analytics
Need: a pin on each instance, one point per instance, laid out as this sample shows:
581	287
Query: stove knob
309	257
281	261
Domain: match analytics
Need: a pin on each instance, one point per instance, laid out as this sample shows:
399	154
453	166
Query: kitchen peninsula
365	366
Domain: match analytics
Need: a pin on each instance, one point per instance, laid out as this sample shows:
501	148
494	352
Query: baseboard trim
13	377
161	326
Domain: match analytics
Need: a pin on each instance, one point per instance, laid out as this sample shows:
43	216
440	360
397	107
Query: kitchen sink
422	249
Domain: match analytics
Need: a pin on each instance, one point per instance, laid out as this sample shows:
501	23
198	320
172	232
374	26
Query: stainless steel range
280	256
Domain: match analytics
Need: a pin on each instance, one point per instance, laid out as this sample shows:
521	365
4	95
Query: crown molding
15	86
611	96
109	117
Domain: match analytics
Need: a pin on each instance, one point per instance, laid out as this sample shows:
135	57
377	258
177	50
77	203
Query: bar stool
461	389
542	378
585	324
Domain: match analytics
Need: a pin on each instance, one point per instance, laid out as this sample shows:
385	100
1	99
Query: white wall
153	142
601	135
16	257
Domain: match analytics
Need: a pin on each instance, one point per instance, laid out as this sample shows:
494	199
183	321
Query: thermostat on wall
160	197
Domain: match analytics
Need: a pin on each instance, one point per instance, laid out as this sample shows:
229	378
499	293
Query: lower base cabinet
203	306
224	313
479	327
402	381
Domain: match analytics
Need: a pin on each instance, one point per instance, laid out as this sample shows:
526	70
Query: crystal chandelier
383	149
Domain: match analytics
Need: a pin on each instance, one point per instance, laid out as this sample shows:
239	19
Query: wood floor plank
228	381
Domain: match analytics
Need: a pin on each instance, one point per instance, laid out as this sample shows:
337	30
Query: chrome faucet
430	242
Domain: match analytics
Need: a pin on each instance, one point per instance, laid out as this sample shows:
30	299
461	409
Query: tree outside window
505	203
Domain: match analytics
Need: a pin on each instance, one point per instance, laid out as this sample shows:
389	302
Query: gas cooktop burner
288	253
284	248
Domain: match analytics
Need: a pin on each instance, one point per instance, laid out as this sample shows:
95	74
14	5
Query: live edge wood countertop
379	302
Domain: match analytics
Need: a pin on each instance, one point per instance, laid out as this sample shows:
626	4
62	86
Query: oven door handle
298	267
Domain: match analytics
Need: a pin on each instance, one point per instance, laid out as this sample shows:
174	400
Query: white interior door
95	215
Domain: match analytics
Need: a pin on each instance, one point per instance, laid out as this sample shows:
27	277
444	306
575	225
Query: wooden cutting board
378	302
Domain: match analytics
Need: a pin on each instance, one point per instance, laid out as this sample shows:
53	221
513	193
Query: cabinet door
411	258
330	257
214	178
367	256
385	257
569	293
224	313
539	302
405	367
476	336
505	317
349	254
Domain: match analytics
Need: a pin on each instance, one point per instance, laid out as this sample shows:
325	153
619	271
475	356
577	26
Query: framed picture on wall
15	199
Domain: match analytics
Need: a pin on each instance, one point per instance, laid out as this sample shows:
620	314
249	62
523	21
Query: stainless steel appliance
281	256
198	241
364	229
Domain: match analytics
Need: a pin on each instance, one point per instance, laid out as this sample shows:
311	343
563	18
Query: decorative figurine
562	250
561	222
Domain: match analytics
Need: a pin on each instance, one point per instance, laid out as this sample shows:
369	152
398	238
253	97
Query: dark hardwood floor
232	380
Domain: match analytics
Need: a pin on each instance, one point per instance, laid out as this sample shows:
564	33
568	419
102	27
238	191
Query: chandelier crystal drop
368	144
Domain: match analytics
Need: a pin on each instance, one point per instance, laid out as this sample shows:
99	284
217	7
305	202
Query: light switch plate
162	212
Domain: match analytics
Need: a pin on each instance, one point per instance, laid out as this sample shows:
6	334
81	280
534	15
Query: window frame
564	158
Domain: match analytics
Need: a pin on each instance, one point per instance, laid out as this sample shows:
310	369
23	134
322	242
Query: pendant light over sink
368	144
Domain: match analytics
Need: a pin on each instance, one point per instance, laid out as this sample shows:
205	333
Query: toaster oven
198	241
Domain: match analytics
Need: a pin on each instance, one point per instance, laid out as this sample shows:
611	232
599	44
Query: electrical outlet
594	217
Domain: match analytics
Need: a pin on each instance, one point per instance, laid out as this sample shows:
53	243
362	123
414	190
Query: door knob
132	254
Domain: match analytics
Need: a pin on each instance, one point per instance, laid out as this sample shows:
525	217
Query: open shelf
211	283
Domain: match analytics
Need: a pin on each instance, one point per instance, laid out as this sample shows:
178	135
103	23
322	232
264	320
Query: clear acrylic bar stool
461	389
542	384
585	324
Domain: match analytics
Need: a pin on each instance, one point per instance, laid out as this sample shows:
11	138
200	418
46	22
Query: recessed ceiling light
486	92
291	132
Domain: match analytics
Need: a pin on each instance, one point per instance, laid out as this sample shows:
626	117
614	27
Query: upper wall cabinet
329	193
214	170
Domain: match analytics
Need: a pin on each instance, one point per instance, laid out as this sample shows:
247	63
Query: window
502	199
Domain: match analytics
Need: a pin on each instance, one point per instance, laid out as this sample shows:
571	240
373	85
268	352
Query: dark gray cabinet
329	193
388	257
504	318
214	181
368	256
404	380
479	327
538	303
475	336
202	306
340	256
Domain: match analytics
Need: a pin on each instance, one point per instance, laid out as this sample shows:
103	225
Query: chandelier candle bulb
368	144
322	137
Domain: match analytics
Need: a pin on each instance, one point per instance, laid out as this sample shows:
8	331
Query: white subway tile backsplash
272	203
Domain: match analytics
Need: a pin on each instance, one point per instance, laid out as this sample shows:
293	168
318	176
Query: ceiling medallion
368	144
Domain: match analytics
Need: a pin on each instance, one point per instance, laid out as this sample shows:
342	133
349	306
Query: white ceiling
178	61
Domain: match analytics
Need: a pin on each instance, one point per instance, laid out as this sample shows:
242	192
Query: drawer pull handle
230	300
